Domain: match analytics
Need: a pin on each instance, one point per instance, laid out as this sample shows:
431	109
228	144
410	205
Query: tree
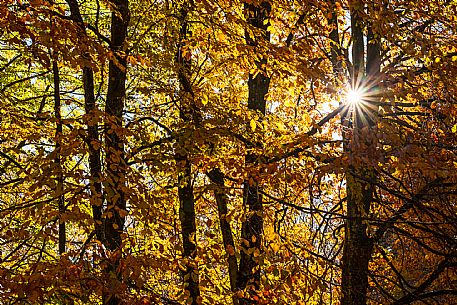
237	152
189	113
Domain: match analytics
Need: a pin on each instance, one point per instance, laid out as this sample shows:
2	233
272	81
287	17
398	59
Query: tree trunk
93	143
92	139
115	165
357	244
217	178
57	160
252	227
358	48
114	142
335	47
360	176
189	114
188	227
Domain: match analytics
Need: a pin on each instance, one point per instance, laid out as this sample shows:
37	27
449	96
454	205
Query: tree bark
358	47
114	138
57	160
217	178
92	139
114	142
252	227
188	227
335	47
360	176
189	114
93	143
357	244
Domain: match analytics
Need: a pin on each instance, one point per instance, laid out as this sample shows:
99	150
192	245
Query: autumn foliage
206	152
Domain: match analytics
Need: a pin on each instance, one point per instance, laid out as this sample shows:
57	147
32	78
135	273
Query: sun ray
360	107
353	96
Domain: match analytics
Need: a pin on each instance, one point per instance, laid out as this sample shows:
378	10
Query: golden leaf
253	124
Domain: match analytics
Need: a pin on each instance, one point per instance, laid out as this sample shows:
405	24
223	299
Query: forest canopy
228	152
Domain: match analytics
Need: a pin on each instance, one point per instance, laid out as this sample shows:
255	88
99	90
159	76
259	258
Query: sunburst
353	97
360	106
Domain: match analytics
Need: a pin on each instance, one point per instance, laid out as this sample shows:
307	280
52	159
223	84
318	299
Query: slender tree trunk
93	143
217	178
358	47
188	227
114	142
335	47
252	227
114	138
358	245
57	160
108	227
189	114
92	140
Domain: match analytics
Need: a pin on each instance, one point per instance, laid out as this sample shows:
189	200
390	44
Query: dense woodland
228	152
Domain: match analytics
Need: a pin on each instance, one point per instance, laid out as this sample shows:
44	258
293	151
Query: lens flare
354	96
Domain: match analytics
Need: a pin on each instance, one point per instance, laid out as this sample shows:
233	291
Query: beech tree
228	152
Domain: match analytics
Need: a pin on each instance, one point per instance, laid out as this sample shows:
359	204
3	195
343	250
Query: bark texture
92	138
217	177
114	138
58	160
252	228
114	215
360	176
189	115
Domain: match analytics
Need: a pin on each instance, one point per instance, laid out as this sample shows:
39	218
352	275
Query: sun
359	105
354	97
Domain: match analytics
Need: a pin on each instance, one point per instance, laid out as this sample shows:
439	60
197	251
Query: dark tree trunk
92	139
114	142
217	178
188	226
358	46
189	114
58	160
357	244
335	47
114	138
252	227
360	176
93	143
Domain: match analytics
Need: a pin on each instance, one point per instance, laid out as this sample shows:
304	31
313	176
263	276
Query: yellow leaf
454	128
281	126
275	247
253	124
220	37
204	99
289	103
